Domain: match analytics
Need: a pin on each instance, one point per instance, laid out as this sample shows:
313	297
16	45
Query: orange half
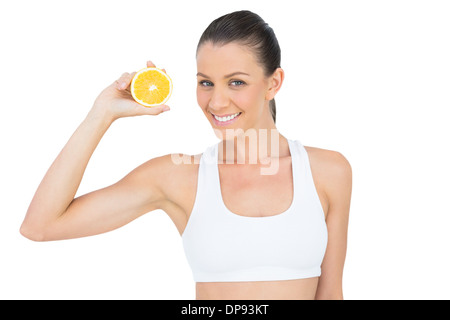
151	87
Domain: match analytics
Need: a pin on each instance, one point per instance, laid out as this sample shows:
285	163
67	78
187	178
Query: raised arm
54	213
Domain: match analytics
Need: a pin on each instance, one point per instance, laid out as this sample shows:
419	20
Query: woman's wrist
100	115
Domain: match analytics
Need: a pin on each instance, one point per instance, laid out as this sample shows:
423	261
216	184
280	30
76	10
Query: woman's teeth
223	119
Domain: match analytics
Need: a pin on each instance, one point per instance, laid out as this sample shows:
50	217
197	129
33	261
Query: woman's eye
205	83
237	83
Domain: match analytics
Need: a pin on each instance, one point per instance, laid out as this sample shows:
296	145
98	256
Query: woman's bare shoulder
168	166
177	173
332	171
328	159
168	173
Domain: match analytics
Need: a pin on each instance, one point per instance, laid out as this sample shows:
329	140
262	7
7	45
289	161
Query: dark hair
247	28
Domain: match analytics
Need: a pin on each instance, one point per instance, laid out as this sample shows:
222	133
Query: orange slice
151	87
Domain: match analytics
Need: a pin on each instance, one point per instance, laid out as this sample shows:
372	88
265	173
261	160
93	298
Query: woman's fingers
122	81
152	65
125	80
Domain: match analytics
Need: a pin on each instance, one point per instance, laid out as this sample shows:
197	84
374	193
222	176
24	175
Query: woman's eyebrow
227	76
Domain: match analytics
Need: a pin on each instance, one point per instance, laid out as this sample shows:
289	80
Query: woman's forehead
225	59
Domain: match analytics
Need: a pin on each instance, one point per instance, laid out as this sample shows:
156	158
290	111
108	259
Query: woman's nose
219	99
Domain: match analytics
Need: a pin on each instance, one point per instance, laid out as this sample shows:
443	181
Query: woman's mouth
225	120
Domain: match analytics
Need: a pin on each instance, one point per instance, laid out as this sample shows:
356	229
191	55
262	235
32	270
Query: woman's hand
116	100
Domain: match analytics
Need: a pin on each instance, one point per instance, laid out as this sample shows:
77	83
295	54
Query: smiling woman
246	92
239	74
246	234
260	38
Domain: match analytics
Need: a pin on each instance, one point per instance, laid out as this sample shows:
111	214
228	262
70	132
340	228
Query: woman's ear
275	82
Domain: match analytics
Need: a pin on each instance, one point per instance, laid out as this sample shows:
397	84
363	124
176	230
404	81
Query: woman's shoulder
331	171
175	166
331	160
167	173
177	172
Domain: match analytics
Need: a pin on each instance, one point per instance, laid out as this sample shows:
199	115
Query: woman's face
232	89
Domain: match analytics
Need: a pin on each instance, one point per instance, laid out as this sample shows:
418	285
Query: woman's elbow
31	232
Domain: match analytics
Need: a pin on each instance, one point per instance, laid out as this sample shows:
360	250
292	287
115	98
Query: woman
248	233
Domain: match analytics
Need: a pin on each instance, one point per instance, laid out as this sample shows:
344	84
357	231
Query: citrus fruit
151	87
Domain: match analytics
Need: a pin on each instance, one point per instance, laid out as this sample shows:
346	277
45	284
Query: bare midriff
299	289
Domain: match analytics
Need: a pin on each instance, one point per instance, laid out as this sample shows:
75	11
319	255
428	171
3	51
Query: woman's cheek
202	99
247	99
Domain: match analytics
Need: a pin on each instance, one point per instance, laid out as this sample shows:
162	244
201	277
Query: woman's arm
337	174
55	214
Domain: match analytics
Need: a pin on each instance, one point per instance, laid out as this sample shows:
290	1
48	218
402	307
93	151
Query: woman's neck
254	146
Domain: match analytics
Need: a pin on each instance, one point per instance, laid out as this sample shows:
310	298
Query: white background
369	79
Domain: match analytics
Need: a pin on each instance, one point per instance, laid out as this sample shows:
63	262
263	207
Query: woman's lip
225	115
225	123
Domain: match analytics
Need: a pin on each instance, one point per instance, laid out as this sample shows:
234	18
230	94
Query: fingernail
166	108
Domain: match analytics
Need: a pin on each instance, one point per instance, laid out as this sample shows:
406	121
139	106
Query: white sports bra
221	246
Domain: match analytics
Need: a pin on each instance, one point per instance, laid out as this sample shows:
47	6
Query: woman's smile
225	120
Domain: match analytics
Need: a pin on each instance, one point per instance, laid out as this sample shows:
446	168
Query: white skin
55	214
